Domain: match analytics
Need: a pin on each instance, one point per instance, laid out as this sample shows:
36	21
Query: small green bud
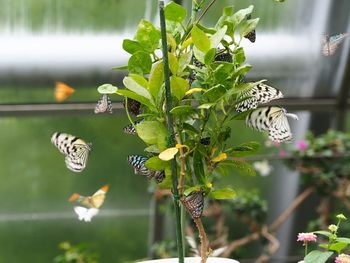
333	228
341	217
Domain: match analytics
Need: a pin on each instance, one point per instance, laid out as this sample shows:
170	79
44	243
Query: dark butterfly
194	204
134	106
251	36
221	55
138	163
104	105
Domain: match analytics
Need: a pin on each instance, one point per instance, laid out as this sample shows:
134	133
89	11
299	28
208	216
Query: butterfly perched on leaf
194	203
62	91
272	119
138	163
257	95
75	150
91	204
331	43
130	129
104	105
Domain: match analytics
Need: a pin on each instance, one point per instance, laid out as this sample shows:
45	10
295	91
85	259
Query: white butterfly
76	150
272	119
260	94
195	250
85	214
104	105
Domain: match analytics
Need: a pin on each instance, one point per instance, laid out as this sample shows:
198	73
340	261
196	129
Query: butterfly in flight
75	150
104	105
257	95
91	204
331	43
138	163
62	91
272	119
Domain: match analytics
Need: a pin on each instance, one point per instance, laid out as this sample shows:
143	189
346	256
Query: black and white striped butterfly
138	163
104	105
260	94
75	149
130	129
331	43
194	203
272	119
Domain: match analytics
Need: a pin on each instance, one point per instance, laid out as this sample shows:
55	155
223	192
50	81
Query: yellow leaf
221	157
189	92
168	154
186	43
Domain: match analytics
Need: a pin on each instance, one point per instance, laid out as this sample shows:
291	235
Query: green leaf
343	239
248	26
217	37
107	89
133	83
206	105
140	63
179	86
323	233
242	70
338	246
198	54
132	95
173	63
155	164
239	56
184	60
148	35
175	12
316	256
240	15
241	116
200	39
152	132
183	109
226	19
189	190
223	193
198	166
156	79
132	46
152	149
215	92
244	149
209	56
190	128
241	167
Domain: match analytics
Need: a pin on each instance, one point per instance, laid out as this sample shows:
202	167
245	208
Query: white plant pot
192	260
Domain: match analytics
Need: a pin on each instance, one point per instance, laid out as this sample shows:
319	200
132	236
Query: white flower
263	167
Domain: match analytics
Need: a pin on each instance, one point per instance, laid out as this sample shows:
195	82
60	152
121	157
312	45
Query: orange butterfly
94	201
62	91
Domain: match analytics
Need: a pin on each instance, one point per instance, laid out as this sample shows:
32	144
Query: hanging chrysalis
194	204
104	105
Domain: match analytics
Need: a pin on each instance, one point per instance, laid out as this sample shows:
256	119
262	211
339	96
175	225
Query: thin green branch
171	139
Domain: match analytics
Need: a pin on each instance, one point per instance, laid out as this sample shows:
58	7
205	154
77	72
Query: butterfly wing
331	44
257	95
138	163
259	119
130	129
279	130
98	198
85	214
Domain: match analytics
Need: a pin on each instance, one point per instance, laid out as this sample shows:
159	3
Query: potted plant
186	86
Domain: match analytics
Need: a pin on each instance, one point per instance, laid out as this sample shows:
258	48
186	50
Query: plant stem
171	140
204	240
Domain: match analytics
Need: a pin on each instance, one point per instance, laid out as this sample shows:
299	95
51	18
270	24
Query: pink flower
282	153
305	237
302	145
342	258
